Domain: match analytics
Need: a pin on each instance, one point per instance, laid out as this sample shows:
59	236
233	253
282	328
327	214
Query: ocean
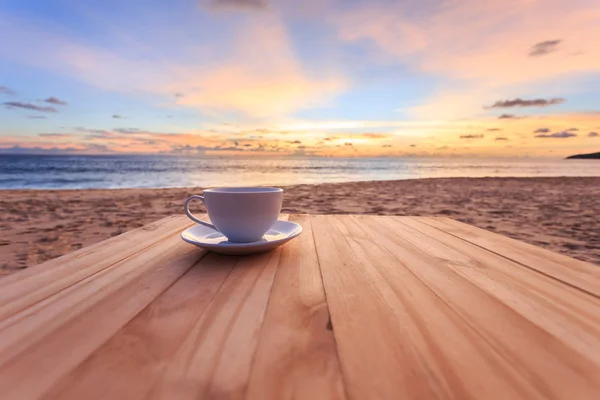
88	172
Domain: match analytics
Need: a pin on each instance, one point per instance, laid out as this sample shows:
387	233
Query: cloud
36	117
250	69
260	92
572	130
141	141
501	138
117	116
5	90
97	148
28	106
593	134
54	100
543	48
542	130
238	4
493	129
557	135
37	150
526	103
437	37
129	130
440	39
471	136
95	131
387	145
56	135
261	79
202	148
348	144
179	95
510	116
377	135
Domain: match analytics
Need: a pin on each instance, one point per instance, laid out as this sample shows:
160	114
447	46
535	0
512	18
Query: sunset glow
312	78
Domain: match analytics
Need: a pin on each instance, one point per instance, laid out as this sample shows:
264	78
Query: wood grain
560	310
376	362
358	307
30	325
296	357
443	352
138	353
565	269
49	343
215	359
542	360
25	288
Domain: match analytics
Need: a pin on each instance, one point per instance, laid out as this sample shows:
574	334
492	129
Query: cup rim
244	190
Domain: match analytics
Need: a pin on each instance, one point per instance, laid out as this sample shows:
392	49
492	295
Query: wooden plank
444	350
49	343
559	309
215	359
25	328
376	361
25	288
138	353
576	273
554	369
296	357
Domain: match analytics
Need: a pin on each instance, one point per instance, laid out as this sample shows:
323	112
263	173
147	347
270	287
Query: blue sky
343	78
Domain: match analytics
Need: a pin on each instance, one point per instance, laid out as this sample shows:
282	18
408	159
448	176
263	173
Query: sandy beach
560	214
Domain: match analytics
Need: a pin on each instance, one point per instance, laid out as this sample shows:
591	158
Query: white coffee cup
242	214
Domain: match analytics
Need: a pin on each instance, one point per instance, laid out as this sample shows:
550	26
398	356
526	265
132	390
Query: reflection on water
82	172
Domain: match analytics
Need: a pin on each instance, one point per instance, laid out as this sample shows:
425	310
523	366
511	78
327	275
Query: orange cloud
257	93
263	78
259	76
488	40
483	48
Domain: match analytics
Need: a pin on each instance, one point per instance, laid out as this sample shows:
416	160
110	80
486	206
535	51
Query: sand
560	214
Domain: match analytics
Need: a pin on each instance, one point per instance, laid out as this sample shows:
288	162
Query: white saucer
209	239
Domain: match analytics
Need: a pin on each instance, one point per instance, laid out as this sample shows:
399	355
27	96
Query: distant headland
591	156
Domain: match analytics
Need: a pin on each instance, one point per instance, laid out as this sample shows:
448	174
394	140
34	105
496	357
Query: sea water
125	171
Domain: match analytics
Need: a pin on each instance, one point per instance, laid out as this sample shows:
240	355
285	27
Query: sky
332	78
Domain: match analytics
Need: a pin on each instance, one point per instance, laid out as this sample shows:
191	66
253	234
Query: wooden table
357	307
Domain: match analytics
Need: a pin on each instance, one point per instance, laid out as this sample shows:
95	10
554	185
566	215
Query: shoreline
557	213
6	190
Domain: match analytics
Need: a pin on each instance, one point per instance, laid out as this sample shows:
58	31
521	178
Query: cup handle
191	216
